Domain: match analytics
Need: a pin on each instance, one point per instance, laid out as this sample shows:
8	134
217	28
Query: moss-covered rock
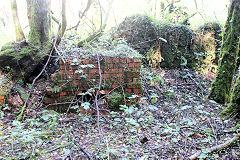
21	59
139	31
178	49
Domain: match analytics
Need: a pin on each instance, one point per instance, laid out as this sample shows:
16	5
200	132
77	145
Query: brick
85	61
106	76
136	80
130	80
138	86
137	91
63	93
138	64
124	60
74	67
117	60
107	91
128	90
61	72
90	76
137	60
49	100
129	60
131	65
131	86
108	71
75	82
108	60
92	71
114	85
48	90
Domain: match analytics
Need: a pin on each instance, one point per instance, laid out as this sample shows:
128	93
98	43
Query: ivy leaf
79	71
154	99
75	107
185	107
212	101
174	139
74	62
152	107
86	105
133	96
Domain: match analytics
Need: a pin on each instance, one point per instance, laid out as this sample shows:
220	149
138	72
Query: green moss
179	45
2	93
40	25
139	31
7	46
115	99
222	83
107	84
234	106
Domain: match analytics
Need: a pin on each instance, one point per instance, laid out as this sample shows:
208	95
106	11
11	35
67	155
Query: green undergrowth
169	114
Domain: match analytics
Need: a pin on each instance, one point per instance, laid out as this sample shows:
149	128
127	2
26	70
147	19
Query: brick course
77	75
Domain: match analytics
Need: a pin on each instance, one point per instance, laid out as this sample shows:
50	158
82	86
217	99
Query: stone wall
77	75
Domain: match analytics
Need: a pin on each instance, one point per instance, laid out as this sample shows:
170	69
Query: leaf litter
173	120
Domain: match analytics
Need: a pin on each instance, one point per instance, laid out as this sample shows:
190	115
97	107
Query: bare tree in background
18	29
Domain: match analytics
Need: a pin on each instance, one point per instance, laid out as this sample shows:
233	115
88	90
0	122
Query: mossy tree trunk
40	22
222	83
234	106
18	29
63	22
29	10
26	59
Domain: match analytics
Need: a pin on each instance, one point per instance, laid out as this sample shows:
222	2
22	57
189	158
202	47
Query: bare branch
216	148
81	15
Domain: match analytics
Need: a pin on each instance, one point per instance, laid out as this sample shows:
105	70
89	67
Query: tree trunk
27	59
234	106
18	29
29	10
222	83
63	23
40	23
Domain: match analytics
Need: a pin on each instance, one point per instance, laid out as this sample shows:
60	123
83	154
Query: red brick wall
115	72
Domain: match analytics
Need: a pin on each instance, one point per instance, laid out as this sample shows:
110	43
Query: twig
215	135
85	152
80	147
216	148
199	86
35	79
96	97
170	121
81	15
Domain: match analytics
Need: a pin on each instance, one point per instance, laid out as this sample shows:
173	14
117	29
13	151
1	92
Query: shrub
139	31
177	50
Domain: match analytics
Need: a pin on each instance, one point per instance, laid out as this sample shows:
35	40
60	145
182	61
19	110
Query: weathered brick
131	65
128	90
137	64
48	100
114	71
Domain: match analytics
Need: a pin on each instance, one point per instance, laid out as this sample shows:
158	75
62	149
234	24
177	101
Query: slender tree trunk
18	29
234	106
63	23
40	23
222	83
29	10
